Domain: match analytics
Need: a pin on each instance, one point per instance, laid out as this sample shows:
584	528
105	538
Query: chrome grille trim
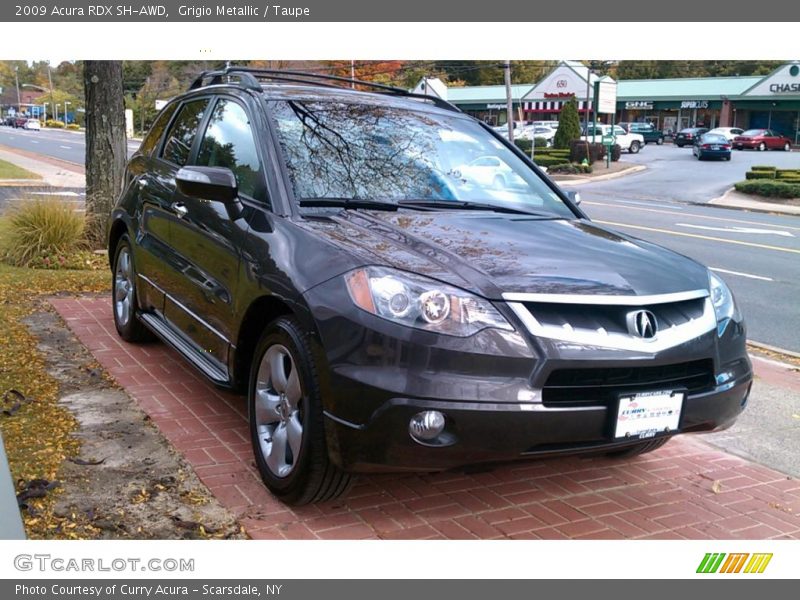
602	299
664	339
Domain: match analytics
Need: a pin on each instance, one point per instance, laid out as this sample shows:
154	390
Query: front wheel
762	146
660	141
286	421
634	148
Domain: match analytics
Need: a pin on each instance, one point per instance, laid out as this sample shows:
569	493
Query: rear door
207	239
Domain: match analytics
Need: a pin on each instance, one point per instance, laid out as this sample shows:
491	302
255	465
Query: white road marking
740	274
34	142
738	229
650	204
66	147
68	193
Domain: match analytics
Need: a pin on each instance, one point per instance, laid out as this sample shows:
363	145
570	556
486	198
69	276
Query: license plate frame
648	414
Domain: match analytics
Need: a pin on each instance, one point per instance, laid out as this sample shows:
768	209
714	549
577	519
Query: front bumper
489	387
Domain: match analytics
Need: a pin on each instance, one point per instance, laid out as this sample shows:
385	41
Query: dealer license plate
648	414
715	147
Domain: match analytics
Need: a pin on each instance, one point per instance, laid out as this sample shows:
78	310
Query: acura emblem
642	323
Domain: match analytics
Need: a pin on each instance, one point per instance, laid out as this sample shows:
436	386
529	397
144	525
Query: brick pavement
686	490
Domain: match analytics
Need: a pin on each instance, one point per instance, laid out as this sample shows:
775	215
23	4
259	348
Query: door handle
179	208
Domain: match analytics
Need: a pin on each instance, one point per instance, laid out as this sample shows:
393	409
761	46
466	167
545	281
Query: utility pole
588	92
50	81
353	74
16	78
509	101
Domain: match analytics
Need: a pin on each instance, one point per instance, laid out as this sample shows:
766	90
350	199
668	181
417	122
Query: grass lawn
9	171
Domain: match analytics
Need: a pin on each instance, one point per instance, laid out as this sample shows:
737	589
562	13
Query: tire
787	147
634	148
679	145
699	156
124	303
640	448
727	157
660	141
284	400
762	146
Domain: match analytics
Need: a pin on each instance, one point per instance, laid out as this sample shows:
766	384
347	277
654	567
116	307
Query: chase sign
783	81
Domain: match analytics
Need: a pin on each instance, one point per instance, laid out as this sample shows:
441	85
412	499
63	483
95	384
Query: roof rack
250	78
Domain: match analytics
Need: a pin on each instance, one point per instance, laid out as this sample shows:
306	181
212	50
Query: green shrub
569	125
762	168
769	188
540	142
555	167
549	161
616	152
760	175
54	124
524	145
43	229
570	169
73	127
787	173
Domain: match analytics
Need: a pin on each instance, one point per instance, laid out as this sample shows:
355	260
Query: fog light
426	425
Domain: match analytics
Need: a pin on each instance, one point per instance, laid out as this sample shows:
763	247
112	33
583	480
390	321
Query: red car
762	139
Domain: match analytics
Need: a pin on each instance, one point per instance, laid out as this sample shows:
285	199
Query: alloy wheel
278	410
123	288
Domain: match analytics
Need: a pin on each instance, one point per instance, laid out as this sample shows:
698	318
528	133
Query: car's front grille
602	387
612	318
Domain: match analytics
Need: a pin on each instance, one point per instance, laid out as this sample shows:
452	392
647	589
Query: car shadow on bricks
673	493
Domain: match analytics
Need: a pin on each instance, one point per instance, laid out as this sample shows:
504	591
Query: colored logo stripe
713	562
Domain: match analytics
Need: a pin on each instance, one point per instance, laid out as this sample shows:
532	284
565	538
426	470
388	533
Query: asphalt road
757	254
57	143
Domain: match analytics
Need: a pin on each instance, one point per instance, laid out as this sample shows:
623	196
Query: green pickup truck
646	130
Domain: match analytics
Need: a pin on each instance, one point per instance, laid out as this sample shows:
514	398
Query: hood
489	253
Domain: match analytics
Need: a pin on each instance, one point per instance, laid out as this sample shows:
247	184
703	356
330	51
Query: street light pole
45	110
66	114
509	101
50	81
16	78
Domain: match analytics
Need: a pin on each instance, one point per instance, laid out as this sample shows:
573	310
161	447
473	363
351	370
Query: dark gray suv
396	287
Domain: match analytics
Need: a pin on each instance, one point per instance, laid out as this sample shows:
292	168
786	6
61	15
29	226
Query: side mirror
208	183
574	196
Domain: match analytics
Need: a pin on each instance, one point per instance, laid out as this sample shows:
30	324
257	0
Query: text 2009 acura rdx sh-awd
398	288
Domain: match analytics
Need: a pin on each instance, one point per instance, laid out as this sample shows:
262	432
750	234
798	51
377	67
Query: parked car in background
728	132
646	130
630	142
320	250
550	124
762	139
534	131
33	125
502	130
19	121
712	145
686	137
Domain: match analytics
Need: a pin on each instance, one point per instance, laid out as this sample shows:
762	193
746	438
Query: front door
207	238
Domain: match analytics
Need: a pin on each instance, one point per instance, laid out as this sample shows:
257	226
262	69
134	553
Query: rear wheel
660	141
124	301
787	147
286	421
640	448
634	148
762	146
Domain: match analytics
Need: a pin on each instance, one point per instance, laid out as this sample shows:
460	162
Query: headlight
420	302
722	299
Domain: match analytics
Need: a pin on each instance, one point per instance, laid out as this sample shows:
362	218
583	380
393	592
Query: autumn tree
105	144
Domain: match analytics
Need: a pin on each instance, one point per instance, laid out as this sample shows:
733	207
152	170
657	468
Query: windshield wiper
349	203
469	205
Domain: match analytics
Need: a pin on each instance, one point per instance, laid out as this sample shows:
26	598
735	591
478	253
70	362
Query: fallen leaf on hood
716	487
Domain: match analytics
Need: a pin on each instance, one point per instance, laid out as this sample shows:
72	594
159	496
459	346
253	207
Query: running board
200	362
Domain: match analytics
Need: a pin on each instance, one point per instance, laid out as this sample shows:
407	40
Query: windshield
366	152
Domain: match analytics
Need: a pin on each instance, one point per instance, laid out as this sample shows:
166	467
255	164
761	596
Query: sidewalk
600	173
734	199
686	490
54	172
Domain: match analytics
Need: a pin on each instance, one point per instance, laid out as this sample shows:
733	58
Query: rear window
754	132
715	138
181	134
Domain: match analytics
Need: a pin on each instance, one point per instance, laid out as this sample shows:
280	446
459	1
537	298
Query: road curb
23	183
724	201
606	177
774	349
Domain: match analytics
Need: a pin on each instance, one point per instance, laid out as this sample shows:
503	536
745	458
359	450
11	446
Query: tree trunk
106	145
